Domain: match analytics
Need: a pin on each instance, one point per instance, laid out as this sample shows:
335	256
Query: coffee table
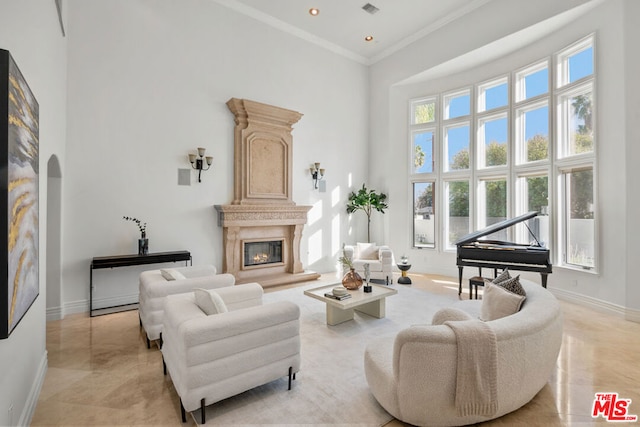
371	303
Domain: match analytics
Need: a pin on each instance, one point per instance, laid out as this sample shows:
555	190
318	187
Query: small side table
474	282
128	261
404	279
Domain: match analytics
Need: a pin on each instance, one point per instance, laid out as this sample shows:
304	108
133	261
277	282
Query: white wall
148	83
632	154
29	29
461	55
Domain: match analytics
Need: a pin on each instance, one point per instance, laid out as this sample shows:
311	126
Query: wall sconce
317	173
198	163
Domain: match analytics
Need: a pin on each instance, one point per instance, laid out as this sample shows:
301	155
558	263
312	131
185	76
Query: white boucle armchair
413	375
154	288
213	357
379	258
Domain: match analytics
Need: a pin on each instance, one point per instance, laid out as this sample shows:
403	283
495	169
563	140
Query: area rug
330	388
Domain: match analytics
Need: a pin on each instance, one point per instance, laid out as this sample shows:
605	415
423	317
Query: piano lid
495	227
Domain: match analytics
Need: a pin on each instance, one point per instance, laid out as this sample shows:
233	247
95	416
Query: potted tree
367	201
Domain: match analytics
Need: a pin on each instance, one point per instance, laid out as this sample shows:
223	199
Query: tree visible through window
423	215
458	224
580	248
582	124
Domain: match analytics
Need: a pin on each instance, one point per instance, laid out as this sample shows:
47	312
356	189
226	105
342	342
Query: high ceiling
342	25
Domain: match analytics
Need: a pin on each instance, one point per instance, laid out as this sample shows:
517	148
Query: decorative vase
352	280
143	245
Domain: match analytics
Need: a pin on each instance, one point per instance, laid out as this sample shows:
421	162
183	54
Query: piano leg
544	280
460	280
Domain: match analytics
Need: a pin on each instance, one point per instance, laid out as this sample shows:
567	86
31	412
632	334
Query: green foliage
346	262
460	160
142	227
426	198
459	198
425	113
496	154
583	143
582	181
582	108
537	148
538	187
367	201
584	112
538	192
418	157
496	202
582	194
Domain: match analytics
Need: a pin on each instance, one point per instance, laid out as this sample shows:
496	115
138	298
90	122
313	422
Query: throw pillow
502	276
170	274
367	251
513	285
449	313
209	302
498	302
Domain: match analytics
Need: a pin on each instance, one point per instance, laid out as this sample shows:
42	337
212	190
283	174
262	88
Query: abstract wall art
19	146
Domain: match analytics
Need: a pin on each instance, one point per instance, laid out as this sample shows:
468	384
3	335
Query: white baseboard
34	393
54	313
626	313
590	302
82	306
75	307
632	315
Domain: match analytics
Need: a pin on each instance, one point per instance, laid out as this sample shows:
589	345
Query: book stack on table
338	297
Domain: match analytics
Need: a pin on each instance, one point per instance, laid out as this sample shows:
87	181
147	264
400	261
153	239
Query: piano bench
474	282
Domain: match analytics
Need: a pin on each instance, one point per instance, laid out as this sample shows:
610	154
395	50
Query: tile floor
101	373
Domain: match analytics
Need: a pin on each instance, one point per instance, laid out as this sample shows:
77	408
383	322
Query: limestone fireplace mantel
262	208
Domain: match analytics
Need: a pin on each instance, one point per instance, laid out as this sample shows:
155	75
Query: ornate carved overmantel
263	152
263	208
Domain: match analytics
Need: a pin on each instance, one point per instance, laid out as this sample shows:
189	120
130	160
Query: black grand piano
495	254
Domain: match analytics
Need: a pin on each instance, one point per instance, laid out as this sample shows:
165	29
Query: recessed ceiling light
368	38
313	11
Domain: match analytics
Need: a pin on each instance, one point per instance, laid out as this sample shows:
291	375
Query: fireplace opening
261	253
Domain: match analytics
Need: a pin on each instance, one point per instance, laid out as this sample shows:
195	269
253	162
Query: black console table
130	260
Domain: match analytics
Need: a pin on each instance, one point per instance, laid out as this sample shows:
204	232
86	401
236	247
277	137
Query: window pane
578	125
423	215
424	112
458	219
533	133
457	105
536	199
492	95
493	195
580	223
457	147
580	64
423	152
536	83
493	137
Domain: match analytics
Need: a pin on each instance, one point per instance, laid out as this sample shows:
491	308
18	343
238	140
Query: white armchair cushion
209	302
380	259
171	274
367	251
